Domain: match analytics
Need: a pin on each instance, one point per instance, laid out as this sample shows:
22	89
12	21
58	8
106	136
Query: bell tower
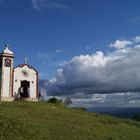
6	74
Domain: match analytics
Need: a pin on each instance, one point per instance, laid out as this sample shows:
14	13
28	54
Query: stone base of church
27	99
31	99
11	99
7	99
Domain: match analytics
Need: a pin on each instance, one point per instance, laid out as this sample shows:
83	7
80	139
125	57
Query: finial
7	50
26	60
7	46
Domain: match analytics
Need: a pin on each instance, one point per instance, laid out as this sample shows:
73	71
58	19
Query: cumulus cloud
120	44
100	78
114	72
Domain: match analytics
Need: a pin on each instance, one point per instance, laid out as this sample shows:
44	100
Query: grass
43	121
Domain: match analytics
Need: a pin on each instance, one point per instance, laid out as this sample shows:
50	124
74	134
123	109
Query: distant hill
116	111
43	121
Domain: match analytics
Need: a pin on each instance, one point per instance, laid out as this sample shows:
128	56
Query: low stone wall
32	99
7	99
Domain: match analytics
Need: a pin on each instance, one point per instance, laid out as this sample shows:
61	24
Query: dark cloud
129	99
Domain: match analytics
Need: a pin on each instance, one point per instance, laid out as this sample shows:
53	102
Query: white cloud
46	4
137	39
120	44
58	51
88	47
96	60
98	73
100	79
137	46
61	63
56	5
37	4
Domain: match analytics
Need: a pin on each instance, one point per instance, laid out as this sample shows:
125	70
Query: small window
7	62
32	82
16	80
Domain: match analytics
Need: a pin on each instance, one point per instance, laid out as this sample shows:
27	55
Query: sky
85	49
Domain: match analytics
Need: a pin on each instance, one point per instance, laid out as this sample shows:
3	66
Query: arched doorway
24	90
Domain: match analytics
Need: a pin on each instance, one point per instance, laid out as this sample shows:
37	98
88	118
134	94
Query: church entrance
24	90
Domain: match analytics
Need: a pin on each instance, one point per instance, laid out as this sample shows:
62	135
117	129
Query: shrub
54	100
136	117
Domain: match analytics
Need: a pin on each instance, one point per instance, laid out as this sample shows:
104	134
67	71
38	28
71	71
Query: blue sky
57	30
86	49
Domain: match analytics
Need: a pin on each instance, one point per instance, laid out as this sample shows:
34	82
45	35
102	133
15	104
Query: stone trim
8	99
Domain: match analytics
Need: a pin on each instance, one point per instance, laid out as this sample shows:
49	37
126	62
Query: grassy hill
42	121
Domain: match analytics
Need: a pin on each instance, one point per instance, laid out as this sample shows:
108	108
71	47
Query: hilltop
39	121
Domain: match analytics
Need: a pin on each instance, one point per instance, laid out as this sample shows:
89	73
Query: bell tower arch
6	74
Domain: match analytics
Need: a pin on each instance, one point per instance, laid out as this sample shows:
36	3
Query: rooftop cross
26	60
7	45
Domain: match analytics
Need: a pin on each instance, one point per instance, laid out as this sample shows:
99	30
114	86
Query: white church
19	82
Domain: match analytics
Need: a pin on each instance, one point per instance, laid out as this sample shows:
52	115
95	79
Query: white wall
6	82
19	76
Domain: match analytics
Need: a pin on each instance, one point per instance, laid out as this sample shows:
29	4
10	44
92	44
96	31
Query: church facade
19	82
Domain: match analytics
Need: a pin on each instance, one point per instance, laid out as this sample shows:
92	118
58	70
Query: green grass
41	121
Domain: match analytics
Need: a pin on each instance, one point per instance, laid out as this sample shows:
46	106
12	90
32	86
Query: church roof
29	66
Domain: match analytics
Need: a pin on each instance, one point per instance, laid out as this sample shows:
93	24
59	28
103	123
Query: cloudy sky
88	50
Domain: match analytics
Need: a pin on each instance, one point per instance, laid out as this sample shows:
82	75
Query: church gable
25	82
25	71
